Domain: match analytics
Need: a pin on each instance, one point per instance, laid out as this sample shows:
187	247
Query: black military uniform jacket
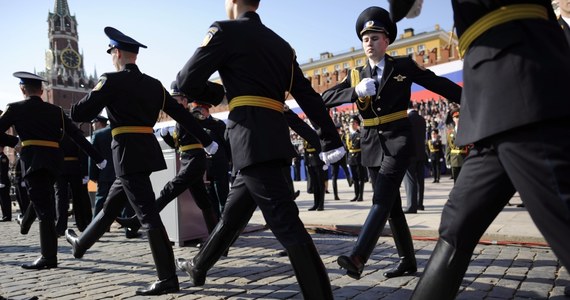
181	139
393	95
354	151
219	163
435	149
74	154
135	99
254	61
523	91
35	119
102	143
303	130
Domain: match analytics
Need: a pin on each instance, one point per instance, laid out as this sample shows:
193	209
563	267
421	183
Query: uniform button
378	109
380	131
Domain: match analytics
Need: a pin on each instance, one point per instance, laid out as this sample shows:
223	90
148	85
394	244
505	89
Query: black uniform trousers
533	160
6	202
80	200
190	176
266	186
218	188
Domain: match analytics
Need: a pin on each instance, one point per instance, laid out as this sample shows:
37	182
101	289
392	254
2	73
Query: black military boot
361	191
27	219
92	233
164	261
367	239
335	190
48	244
356	190
217	243
310	272
443	273
405	246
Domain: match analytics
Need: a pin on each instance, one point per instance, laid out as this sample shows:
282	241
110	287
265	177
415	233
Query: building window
409	50
359	62
337	67
421	48
393	53
346	65
316	72
324	70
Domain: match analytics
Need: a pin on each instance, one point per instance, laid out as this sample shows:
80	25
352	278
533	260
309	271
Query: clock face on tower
70	58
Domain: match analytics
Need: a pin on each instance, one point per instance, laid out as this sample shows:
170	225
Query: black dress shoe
161	287
198	278
312	208
352	266
282	253
41	263
403	268
6	219
354	199
421	207
131	233
567	291
410	211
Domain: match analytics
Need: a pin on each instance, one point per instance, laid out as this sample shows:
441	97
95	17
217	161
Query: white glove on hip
2	185
366	87
212	148
102	164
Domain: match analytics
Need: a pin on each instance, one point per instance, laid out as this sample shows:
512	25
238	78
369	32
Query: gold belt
40	143
458	151
311	150
499	16
354	150
131	129
190	147
67	158
385	119
256	101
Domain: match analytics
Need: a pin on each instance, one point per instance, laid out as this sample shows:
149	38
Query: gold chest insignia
400	77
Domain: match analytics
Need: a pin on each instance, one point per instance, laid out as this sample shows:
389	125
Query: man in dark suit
245	52
133	101
381	90
41	126
414	179
520	131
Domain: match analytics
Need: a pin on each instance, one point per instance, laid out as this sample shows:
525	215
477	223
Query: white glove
85	179
164	131
448	166
366	87
23	184
2	185
429	159
332	156
102	164
212	148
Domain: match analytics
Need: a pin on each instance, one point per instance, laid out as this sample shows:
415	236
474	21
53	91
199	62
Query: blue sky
172	29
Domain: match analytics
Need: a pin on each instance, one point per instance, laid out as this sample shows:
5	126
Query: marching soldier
520	131
244	52
133	101
5	200
41	126
381	90
315	168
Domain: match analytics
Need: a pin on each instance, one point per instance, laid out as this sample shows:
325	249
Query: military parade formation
492	148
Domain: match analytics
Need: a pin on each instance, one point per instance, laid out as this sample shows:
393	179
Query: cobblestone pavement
115	267
512	262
